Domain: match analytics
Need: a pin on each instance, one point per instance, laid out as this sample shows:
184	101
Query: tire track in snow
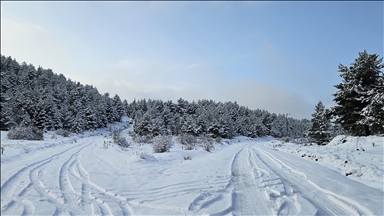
29	208
10	188
316	195
88	185
89	191
248	199
70	204
282	198
61	203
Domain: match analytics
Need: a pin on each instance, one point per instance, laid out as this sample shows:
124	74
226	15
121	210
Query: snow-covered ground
88	175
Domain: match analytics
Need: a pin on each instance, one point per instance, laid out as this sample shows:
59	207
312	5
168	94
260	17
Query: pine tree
320	129
374	112
143	124
359	84
119	107
188	125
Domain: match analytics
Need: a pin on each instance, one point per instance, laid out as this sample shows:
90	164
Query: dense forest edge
40	98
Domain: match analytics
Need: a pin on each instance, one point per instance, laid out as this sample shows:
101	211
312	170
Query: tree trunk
367	131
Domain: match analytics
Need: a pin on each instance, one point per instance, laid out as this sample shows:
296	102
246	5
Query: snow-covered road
293	186
246	178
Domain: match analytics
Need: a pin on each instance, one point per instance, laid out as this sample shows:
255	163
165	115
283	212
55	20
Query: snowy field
88	175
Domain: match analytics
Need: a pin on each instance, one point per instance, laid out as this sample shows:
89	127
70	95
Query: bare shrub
25	133
208	147
118	139
204	139
142	139
187	139
187	157
189	147
62	132
106	144
207	143
277	145
162	144
147	157
132	133
143	155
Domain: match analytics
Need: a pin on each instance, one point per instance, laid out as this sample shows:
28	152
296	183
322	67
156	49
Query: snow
361	156
88	175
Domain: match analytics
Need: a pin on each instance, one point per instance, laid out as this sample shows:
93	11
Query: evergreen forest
40	98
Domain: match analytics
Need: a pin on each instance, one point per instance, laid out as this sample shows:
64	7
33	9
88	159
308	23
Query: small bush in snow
147	157
143	155
25	133
204	139
189	147
187	158
277	145
106	144
207	143
360	172
62	132
187	139
208	147
132	133
142	139
162	144
118	139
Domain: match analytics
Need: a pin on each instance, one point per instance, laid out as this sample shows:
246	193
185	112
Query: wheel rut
325	202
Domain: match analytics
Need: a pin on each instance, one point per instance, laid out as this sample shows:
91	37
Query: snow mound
359	158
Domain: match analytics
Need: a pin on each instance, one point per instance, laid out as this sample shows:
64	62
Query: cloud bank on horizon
278	56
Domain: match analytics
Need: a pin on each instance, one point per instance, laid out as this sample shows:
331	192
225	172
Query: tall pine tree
359	84
320	129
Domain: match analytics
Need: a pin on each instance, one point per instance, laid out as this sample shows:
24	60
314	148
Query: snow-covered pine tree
359	84
142	124
188	125
167	119
202	124
119	107
374	112
79	121
320	129
111	111
278	127
125	106
157	126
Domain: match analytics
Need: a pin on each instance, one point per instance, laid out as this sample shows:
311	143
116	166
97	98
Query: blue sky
279	56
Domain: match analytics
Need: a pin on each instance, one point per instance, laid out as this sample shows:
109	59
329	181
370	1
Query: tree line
210	118
41	98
